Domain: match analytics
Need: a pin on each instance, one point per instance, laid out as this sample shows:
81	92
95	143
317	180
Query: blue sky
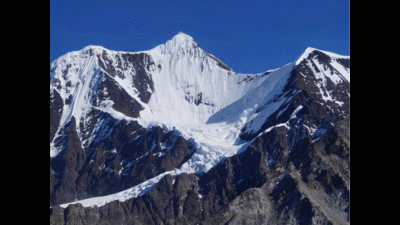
250	36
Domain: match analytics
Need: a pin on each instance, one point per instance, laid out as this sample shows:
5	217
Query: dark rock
265	195
101	169
56	109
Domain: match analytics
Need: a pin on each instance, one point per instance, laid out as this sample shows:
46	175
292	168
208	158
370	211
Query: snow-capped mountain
122	124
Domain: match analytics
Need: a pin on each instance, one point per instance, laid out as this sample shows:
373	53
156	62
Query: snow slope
78	75
191	73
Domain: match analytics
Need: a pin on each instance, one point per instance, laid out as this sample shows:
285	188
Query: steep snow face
190	84
259	103
74	76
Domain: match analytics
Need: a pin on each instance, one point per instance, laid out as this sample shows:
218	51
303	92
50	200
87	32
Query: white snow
309	50
261	95
190	72
294	115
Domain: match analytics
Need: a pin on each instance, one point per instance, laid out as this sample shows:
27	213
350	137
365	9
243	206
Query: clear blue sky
249	36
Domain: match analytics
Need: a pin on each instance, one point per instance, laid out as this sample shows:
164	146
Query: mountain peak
313	51
181	42
183	36
95	48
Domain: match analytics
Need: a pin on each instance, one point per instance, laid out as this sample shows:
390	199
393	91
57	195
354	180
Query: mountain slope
99	90
131	126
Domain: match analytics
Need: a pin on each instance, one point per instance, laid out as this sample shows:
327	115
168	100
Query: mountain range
175	136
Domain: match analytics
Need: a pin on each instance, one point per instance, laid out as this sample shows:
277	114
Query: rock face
155	121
